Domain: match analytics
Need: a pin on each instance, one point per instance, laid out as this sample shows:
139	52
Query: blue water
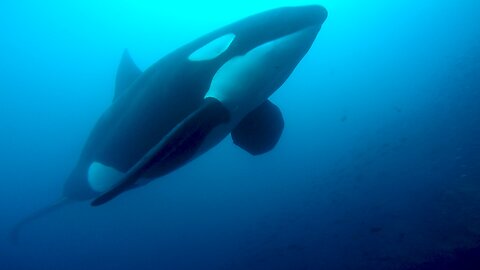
378	166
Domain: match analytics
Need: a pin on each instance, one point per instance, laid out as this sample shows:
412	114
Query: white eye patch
213	49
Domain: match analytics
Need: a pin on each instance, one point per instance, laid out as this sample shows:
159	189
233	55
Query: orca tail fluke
15	231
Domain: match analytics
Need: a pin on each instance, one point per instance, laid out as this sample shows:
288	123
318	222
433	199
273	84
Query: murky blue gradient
378	166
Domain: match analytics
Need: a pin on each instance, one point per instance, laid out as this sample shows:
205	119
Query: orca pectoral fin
176	148
260	130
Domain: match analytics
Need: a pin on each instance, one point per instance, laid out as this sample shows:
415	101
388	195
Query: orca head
244	35
259	53
270	25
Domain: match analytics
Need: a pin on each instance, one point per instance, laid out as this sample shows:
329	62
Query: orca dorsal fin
127	73
260	130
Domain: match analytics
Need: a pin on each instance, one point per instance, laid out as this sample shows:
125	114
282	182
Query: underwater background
378	166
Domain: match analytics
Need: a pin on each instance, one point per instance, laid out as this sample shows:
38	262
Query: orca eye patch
213	49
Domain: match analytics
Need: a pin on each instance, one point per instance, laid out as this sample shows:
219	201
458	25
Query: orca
189	101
